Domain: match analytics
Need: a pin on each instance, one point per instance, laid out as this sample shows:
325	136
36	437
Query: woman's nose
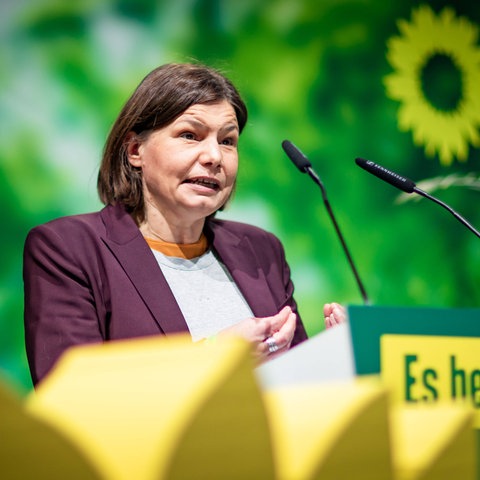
211	153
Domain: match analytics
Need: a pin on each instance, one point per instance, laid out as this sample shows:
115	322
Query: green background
310	71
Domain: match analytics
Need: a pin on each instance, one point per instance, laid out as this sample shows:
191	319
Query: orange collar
179	250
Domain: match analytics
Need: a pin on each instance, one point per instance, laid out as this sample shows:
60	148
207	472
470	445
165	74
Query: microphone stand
451	210
317	180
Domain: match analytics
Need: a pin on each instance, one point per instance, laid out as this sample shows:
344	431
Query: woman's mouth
204	182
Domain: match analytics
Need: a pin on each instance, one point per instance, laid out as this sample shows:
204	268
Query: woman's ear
132	146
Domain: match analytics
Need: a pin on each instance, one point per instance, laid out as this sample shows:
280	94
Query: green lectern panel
369	323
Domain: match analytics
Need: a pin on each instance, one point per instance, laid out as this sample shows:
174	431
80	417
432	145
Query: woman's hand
270	336
334	314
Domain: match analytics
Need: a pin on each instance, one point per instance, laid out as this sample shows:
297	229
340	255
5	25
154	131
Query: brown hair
163	95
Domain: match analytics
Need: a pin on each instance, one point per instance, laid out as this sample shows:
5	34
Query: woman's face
189	167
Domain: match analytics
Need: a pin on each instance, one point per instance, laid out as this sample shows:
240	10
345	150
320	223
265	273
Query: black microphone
296	156
304	165
408	186
392	178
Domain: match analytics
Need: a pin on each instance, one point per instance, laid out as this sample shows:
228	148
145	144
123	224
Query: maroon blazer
92	277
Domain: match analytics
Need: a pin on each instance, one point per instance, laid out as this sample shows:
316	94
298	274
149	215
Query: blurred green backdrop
393	82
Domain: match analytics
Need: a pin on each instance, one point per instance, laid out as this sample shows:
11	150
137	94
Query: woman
155	260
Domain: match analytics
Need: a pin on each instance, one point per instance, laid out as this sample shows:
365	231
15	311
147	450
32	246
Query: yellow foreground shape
331	431
433	443
31	449
161	408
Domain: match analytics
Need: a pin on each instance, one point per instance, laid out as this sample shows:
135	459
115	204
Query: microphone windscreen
387	175
296	156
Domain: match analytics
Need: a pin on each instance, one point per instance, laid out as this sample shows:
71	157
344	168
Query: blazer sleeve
300	332
60	309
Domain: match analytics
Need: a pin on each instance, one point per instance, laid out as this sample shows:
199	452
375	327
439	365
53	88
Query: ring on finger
272	344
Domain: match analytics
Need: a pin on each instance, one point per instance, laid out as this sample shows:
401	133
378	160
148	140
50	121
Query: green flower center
441	81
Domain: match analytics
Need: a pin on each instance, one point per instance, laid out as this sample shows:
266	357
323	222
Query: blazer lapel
127	244
240	258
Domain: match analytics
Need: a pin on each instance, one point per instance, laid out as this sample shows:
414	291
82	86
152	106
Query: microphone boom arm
450	209
317	180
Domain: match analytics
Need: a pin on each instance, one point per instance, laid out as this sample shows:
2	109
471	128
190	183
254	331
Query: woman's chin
205	206
202	209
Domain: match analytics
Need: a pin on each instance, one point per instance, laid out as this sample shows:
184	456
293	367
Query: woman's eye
188	136
229	142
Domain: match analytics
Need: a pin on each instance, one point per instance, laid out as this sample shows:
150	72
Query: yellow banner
425	369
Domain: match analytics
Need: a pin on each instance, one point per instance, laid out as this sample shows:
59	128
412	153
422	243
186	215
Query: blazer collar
242	261
127	244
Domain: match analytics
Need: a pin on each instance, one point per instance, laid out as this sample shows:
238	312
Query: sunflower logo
437	81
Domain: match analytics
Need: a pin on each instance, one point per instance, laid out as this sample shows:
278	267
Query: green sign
369	323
